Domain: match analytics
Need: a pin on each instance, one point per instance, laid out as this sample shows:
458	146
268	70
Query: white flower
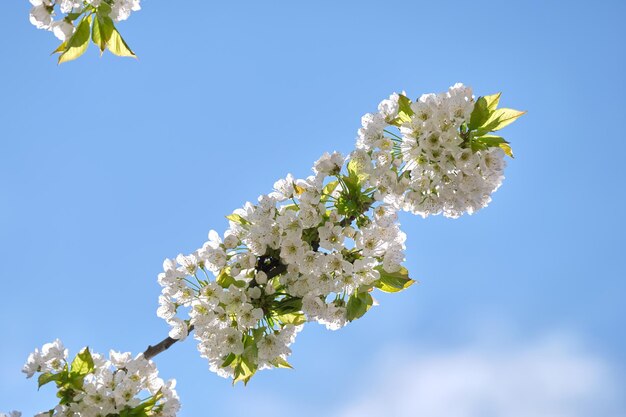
118	359
121	9
284	189
189	263
67	6
389	107
331	236
230	341
40	16
261	278
179	329
328	164
62	30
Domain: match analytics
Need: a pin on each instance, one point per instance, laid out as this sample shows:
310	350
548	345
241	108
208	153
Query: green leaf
478	146
248	363
104	9
490	140
500	118
355	169
225	280
49	377
404	111
288	305
492	101
82	363
358	304
78	43
237	219
291	318
60	48
298	189
145	407
118	46
330	187
281	363
258	333
243	371
404	107
72	16
101	32
393	281
507	149
480	114
228	360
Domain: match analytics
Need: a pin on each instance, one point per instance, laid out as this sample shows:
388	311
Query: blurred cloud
551	376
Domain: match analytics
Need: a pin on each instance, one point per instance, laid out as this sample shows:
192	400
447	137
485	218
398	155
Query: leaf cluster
97	26
486	118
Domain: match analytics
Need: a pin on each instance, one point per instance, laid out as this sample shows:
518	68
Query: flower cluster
442	160
93	386
315	248
96	20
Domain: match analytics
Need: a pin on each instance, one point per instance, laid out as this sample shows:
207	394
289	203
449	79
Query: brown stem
162	346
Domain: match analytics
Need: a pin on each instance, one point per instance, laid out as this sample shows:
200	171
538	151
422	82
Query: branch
162	346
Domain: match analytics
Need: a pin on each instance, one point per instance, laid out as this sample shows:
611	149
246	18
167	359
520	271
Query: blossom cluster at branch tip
315	248
43	12
92	386
428	168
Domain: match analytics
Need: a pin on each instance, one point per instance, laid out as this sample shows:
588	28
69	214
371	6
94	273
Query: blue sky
109	165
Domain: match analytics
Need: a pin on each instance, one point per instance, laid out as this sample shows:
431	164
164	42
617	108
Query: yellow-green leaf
82	363
101	32
492	141
298	189
492	101
356	169
118	46
49	377
296	318
480	114
78	43
281	363
60	48
404	111
507	149
393	281
237	219
358	304
500	118
330	187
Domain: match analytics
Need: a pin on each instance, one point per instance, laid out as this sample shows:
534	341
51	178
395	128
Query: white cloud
549	377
